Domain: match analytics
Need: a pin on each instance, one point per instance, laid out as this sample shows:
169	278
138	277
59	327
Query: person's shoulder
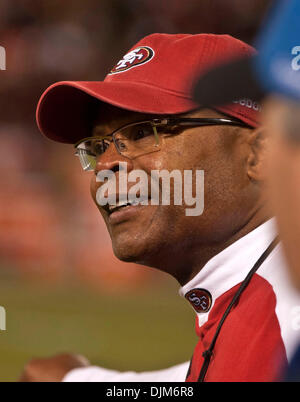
275	272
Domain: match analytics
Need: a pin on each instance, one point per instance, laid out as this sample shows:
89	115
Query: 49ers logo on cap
136	57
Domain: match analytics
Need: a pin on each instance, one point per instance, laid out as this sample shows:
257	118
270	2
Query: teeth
120	204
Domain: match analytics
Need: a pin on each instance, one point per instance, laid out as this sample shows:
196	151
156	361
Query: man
274	77
281	118
227	259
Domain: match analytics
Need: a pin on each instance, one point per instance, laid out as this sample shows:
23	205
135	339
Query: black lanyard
208	353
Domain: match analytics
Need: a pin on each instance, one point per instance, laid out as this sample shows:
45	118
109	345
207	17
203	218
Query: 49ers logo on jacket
200	299
136	57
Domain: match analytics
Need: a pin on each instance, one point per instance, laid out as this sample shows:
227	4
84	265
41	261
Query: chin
134	249
127	251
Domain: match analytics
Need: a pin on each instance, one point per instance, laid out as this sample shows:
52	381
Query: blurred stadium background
62	288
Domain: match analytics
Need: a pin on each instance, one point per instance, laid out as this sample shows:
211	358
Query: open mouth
120	205
110	208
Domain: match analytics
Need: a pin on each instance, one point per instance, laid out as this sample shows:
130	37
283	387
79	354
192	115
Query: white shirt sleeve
98	374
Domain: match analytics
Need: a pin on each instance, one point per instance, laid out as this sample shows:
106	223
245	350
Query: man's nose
111	159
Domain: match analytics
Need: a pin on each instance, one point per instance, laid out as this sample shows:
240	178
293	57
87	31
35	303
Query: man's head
154	80
281	120
152	234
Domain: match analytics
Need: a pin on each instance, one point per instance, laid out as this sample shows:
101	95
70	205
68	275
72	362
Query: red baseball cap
156	76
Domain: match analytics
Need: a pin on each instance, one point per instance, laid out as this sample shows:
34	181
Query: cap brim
229	82
64	111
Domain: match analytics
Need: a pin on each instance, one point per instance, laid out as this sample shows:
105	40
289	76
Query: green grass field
149	329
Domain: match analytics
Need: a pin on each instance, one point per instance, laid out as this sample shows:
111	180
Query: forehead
108	117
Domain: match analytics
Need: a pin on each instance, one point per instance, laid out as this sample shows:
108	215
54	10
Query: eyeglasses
140	138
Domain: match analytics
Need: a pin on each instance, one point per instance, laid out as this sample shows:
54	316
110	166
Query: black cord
208	353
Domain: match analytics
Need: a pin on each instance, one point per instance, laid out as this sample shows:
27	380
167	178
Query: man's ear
256	163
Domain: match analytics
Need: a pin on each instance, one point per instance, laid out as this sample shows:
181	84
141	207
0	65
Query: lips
125	213
123	203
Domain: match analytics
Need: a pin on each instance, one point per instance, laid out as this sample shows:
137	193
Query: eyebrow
97	131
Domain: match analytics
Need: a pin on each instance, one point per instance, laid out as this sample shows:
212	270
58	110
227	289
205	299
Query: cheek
93	187
153	161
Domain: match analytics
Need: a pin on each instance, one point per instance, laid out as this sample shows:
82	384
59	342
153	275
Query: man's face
282	122
162	235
